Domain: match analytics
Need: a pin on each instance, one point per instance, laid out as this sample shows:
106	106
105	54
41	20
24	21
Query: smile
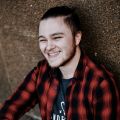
53	54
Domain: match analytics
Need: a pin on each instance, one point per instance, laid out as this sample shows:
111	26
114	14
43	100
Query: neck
68	69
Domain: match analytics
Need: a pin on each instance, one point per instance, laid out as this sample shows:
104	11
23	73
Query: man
67	85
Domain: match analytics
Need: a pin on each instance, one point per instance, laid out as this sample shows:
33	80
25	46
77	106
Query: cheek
69	48
42	47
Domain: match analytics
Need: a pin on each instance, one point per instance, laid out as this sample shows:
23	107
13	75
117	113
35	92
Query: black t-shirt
59	105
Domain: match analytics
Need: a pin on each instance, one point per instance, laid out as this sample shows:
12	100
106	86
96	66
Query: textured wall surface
19	51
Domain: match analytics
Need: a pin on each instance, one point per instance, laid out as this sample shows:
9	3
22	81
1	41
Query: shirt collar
81	66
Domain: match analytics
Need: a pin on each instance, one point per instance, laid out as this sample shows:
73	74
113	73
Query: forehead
53	25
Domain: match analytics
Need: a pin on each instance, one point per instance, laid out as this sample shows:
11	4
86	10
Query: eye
57	37
42	40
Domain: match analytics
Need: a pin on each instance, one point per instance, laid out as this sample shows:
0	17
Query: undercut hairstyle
70	17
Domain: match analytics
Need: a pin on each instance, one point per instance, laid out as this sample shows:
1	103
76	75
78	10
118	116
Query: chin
54	65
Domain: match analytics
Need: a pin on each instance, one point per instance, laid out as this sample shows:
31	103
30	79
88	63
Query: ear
78	38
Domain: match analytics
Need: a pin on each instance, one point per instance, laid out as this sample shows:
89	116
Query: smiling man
59	46
67	85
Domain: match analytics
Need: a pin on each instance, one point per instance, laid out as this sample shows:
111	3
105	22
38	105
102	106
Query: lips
53	54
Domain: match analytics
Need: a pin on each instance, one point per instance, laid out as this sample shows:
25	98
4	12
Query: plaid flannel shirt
91	95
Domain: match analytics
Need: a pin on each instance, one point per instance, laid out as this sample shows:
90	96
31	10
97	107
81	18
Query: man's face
56	41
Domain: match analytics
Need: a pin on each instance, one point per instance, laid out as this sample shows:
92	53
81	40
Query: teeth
53	54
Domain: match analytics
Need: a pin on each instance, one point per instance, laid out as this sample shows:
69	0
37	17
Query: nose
50	45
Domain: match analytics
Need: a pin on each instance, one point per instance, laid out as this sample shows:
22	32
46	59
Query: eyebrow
54	34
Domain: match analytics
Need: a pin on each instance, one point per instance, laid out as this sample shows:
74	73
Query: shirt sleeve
106	101
22	100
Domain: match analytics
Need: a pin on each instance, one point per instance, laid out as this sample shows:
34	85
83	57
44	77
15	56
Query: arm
106	102
23	99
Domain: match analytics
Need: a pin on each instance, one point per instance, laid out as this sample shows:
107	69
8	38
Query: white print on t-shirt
62	104
60	117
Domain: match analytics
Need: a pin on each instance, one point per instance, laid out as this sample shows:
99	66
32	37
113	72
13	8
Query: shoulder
99	70
101	76
42	63
42	66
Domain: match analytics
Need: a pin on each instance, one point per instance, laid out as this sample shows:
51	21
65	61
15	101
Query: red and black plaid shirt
92	95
